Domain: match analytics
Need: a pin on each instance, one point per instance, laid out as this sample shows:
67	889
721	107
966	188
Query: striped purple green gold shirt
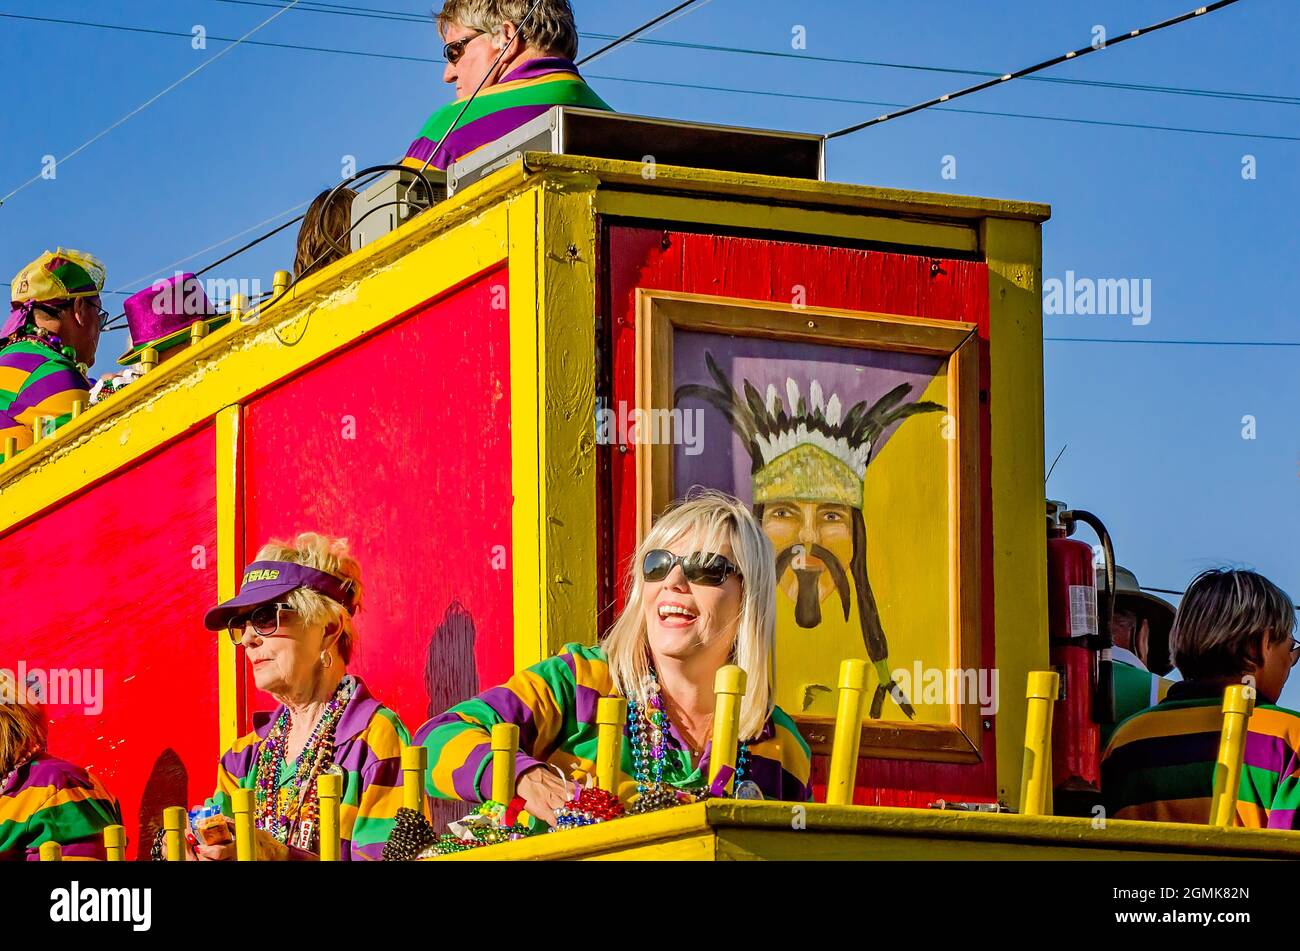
51	800
368	744
1160	763
522	95
554	705
36	382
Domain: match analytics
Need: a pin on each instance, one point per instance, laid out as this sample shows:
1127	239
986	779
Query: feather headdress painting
810	452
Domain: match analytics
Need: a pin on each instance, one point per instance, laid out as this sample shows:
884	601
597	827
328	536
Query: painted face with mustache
814	546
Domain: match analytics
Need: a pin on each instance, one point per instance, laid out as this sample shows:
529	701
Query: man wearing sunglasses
48	343
520	64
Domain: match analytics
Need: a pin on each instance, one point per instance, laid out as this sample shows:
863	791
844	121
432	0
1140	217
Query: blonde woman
701	596
43	798
294	618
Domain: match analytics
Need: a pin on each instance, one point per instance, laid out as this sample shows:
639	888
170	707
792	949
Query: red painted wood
768	270
116	579
423	493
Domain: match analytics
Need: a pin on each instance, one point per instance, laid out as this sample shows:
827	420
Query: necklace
317	756
51	341
647	726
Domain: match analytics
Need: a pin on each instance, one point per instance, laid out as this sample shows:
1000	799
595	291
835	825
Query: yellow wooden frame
660	314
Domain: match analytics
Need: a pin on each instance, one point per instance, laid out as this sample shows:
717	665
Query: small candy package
210	826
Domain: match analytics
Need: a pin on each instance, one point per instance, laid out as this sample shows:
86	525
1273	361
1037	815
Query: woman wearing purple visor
294	618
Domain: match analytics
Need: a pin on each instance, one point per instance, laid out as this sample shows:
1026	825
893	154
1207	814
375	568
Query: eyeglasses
700	567
1295	651
264	619
453	51
104	318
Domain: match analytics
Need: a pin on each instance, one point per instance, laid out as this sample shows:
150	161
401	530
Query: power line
1037	67
698	86
1263	98
149	102
1180	343
662	20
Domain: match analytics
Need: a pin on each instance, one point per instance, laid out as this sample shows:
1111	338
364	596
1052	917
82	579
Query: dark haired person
1232	626
325	228
523	69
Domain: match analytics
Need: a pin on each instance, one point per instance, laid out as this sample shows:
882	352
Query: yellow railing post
78	407
415	764
611	715
329	790
174	818
51	852
505	744
198	330
148	360
115	843
38	429
11	448
1238	704
280	283
848	733
241	803
1036	773
237	304
729	690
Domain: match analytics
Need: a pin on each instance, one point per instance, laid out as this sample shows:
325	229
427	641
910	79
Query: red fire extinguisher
1079	638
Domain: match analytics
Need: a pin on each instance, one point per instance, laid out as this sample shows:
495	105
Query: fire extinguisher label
1083	610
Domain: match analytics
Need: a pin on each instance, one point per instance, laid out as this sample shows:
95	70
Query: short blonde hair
22	722
323	553
551	28
1224	619
709	517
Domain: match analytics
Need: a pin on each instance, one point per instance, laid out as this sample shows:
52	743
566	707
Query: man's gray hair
1223	621
551	29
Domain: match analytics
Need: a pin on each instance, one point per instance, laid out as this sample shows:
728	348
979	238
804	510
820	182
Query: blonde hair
22	723
1223	620
550	30
323	553
709	518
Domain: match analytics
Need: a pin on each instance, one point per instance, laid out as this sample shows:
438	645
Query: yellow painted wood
1014	253
329	790
611	715
174	822
728	692
415	766
241	804
229	530
1036	773
739	213
1238	704
671	178
505	747
848	732
115	843
51	852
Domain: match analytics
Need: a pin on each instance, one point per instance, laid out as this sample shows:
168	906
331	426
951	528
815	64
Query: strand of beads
593	805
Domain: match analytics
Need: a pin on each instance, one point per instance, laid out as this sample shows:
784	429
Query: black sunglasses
453	51
700	567
265	620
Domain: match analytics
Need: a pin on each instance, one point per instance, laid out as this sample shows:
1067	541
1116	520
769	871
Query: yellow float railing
329	790
848	733
415	764
241	803
1036	773
1238	704
505	745
611	714
115	843
729	690
51	852
174	819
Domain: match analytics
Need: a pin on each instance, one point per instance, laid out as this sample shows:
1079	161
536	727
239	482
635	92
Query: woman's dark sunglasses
700	567
453	51
264	619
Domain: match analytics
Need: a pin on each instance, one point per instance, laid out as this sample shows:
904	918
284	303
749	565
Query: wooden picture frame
661	315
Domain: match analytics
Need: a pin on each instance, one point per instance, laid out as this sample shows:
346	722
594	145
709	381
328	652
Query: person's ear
333	633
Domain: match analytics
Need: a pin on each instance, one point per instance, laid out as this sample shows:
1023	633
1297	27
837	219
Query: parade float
493	400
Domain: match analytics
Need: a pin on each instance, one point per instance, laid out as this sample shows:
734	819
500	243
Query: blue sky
1154	431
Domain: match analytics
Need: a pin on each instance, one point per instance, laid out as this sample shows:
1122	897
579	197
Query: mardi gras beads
592	805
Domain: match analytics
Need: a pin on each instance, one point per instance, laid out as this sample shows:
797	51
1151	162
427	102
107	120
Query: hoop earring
326	659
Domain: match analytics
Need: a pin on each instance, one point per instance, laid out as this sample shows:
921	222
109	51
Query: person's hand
543	792
216	853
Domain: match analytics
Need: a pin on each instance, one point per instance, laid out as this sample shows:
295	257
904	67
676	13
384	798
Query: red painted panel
116	580
851	279
401	444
